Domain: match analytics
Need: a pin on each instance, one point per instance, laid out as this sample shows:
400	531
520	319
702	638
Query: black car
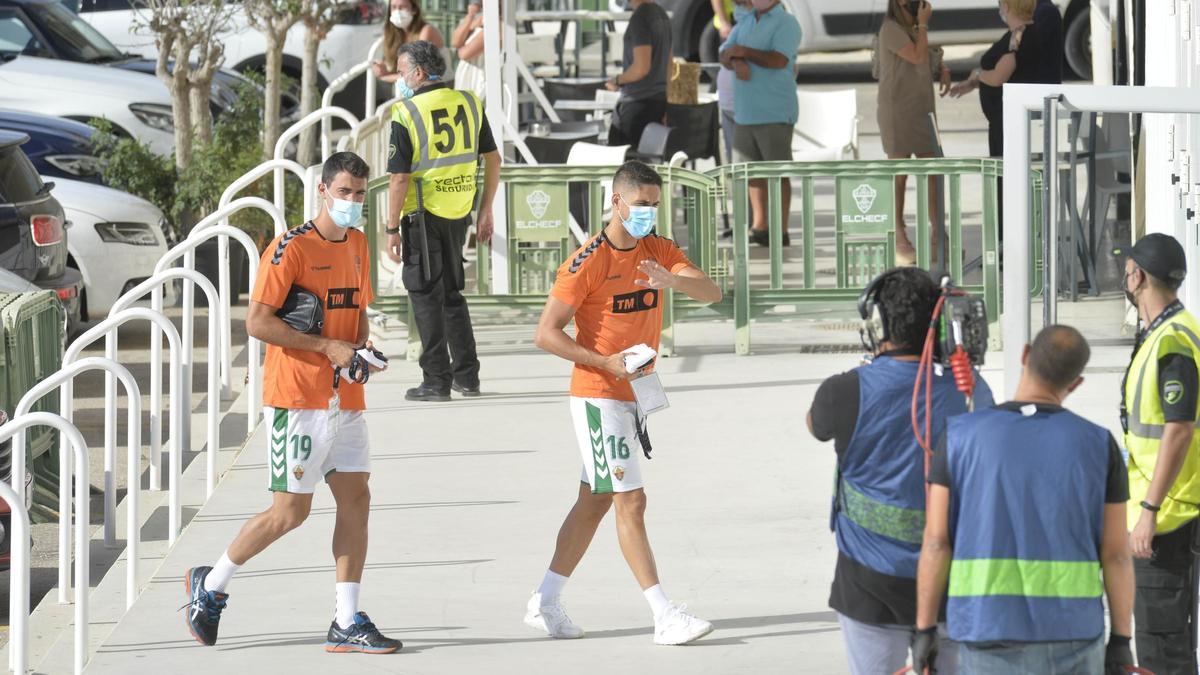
58	147
61	34
33	231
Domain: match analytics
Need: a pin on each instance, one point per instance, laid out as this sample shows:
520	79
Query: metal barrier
18	575
133	473
175	401
216	319
863	229
19	593
34	333
218	217
339	83
253	345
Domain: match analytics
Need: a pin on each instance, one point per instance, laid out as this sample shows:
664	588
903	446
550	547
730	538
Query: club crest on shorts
619	472
298	472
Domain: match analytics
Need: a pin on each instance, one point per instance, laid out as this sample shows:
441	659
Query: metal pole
1049	209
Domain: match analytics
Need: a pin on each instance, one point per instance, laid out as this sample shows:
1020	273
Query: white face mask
401	18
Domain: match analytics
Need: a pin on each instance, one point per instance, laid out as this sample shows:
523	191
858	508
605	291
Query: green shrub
187	196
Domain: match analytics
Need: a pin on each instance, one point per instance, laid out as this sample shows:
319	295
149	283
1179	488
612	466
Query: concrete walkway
468	497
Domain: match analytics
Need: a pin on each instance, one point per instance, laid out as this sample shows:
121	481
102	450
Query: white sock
552	585
347	603
658	600
221	574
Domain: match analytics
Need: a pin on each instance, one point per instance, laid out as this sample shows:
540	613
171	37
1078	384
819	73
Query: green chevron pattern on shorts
601	478
278	445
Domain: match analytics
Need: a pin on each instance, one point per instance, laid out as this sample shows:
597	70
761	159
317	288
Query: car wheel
1078	44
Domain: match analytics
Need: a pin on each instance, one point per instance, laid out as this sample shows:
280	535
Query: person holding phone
467	37
906	65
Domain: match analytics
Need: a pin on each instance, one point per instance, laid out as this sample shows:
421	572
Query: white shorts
608	442
308	445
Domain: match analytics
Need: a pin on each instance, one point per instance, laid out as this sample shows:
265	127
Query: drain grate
840	326
829	349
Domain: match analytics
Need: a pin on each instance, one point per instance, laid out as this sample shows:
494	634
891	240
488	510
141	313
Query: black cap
1160	255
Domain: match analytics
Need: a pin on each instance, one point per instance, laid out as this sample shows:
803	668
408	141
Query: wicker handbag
684	86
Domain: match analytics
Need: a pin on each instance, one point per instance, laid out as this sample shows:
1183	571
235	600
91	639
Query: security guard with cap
878	514
1159	410
438	136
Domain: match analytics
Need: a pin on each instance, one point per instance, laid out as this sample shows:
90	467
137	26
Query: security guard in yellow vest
1159	412
438	136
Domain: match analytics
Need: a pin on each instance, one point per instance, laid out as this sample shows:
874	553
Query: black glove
1118	655
924	649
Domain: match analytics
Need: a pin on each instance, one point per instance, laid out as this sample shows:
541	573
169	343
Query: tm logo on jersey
638	301
341	298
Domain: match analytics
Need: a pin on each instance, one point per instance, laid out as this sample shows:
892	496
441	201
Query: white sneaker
551	618
677	627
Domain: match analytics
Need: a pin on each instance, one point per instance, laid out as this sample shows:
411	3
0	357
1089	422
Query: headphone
874	330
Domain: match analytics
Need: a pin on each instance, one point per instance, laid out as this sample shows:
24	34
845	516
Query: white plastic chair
591	154
827	126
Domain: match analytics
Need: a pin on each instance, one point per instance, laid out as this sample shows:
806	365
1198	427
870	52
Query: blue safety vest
1028	491
879	501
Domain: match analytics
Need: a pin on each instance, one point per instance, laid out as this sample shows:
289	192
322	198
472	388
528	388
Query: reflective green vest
1179	334
444	127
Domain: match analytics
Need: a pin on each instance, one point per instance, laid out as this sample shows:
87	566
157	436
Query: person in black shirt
879	499
643	82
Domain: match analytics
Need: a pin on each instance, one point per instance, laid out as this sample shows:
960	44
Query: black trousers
443	320
631	117
1164	608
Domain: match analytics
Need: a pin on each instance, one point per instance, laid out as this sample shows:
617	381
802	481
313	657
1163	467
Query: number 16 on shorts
607	433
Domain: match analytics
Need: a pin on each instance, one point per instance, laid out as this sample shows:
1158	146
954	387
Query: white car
115	241
345	46
137	104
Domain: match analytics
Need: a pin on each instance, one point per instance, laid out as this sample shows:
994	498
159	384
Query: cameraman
879	501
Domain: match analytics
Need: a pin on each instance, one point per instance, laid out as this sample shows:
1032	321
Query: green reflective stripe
601	478
907	525
1025	578
422	138
278	446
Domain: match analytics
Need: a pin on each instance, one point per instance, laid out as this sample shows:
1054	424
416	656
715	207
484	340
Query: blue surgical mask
345	213
740	12
641	220
403	90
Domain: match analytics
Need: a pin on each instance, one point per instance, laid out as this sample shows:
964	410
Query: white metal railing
314	117
216	319
133	457
18	575
253	347
19	590
339	83
175	440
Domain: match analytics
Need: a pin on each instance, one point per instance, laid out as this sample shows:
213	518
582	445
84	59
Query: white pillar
1016	237
493	65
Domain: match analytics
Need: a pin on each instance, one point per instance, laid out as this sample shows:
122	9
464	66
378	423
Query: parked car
116	239
58	148
345	46
136	105
62	34
33	229
839	25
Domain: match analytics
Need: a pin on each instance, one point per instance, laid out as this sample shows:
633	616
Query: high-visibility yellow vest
728	12
443	125
1179	334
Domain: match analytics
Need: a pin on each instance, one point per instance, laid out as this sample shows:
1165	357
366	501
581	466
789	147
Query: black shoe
363	637
204	606
763	237
469	392
427	392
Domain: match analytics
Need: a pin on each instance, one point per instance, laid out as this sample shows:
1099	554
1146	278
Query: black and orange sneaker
204	606
363	637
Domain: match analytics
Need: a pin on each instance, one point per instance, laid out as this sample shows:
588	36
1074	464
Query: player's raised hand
658	277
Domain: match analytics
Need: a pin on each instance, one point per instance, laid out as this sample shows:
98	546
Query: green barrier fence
846	230
863	231
34	336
